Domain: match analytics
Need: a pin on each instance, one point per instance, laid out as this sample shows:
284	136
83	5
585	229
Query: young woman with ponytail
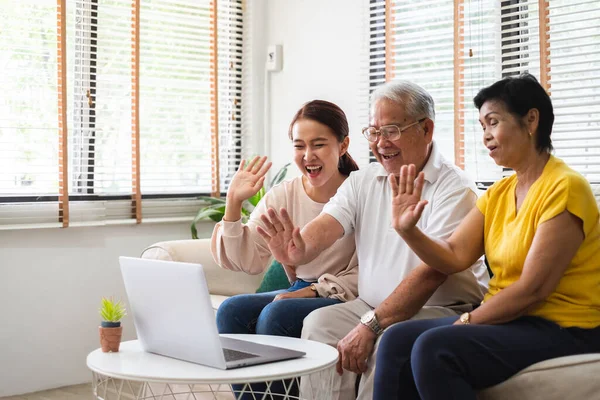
319	134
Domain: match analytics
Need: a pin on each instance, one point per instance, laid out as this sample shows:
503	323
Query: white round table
134	374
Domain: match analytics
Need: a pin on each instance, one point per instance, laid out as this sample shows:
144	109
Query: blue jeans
433	359
258	313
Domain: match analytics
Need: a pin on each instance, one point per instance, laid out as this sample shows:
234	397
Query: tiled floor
77	392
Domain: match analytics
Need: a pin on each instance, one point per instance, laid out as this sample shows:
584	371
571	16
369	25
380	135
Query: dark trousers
435	360
257	313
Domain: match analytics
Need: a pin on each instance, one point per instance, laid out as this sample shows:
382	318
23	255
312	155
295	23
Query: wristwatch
369	319
465	318
313	287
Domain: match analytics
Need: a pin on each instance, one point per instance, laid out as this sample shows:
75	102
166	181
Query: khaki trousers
331	324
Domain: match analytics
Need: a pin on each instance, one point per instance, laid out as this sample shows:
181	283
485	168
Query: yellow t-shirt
508	237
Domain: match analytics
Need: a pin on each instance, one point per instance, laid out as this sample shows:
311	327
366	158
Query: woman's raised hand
282	237
248	179
407	205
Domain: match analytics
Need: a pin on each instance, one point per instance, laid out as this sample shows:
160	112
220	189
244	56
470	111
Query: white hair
415	100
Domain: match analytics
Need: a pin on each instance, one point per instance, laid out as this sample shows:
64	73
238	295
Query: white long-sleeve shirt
239	247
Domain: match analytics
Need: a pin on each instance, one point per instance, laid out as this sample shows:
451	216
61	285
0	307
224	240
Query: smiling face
413	145
505	135
317	151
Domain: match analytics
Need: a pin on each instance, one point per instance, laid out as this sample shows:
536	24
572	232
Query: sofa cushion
564	378
275	279
217	300
220	281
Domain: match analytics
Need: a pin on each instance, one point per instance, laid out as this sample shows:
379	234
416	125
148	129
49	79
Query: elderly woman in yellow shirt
540	232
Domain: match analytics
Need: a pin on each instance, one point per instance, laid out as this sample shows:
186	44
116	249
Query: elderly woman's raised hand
248	179
407	205
282	237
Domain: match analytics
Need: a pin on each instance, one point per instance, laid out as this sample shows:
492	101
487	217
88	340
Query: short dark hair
520	94
333	117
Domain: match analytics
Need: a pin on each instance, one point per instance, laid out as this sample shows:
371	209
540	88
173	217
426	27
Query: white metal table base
317	386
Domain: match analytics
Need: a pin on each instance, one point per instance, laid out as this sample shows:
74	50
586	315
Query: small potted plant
110	327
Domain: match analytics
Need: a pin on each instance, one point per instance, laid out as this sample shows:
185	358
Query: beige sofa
566	378
222	283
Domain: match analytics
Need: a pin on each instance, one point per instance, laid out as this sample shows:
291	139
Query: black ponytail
347	164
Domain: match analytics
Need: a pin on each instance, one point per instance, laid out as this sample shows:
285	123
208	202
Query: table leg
316	386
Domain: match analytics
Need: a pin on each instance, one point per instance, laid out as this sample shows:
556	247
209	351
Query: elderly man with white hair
393	284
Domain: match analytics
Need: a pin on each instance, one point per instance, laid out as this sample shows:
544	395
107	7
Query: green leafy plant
215	210
112	311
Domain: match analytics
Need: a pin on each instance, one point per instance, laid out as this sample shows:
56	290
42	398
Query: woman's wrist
233	210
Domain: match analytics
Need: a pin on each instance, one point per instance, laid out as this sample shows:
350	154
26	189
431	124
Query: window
117	110
455	48
415	43
573	76
410	44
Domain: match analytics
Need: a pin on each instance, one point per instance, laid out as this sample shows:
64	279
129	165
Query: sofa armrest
220	281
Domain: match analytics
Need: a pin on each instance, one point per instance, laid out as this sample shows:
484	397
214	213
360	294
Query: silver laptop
174	317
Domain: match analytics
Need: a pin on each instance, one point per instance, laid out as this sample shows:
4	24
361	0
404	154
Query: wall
323	44
50	289
52	279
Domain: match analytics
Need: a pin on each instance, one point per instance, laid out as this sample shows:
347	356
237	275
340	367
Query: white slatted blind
497	40
358	145
175	96
249	83
520	32
377	40
230	38
376	57
99	37
420	49
174	108
29	116
480	66
574	83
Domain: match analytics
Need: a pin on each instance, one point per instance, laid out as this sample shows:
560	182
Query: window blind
477	65
100	110
554	40
149	85
377	52
520	33
31	126
417	46
573	48
230	41
176	54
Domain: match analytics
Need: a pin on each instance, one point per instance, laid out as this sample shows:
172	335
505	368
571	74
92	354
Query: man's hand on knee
355	349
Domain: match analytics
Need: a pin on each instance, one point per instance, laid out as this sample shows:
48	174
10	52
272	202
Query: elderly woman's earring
530	134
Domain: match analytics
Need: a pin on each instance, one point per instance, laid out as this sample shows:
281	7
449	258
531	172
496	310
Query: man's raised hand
282	237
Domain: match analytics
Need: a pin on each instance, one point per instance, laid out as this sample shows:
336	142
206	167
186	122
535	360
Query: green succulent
112	311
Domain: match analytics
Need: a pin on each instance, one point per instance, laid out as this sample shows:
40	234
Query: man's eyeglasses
388	132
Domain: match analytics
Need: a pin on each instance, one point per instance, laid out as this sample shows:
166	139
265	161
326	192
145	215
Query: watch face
367	317
464	318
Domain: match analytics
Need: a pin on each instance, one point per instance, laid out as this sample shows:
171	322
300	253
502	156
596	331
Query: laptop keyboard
235	355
